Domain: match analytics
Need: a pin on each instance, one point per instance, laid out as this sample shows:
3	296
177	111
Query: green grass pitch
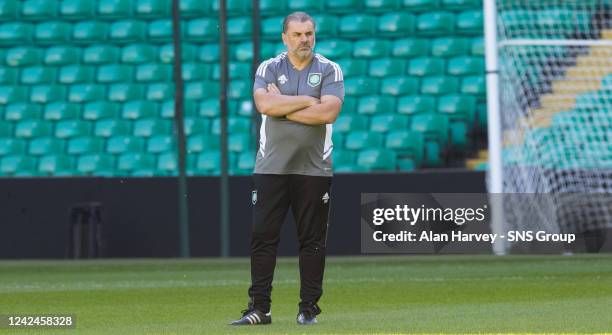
363	295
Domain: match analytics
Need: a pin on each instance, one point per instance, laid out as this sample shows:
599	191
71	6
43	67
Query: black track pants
309	199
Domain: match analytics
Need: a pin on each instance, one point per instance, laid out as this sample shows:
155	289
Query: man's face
299	39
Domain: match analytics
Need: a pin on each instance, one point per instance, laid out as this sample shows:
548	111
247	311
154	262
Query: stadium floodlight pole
224	187
494	180
179	127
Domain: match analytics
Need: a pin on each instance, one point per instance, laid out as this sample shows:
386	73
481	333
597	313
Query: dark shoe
253	317
308	316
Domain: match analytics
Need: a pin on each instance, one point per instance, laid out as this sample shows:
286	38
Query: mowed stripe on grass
383	295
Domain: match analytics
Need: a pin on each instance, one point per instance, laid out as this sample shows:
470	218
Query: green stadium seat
353	67
327	25
209	108
439	85
272	27
87	32
357	25
114	73
160	30
377	159
201	90
84	145
135	110
52	32
470	22
246	161
245	108
101	54
122	92
346	123
56	165
371	48
239	28
481	115
358	140
191	8
9	10
45	94
15	33
433	126
72	128
461	4
233	7
76	9
76	74
305	6
152	9
35	10
416	104
57	111
22	111
234	125
18	165
6	129
426	66
458	136
334	48
12	146
131	161
61	55
160	91
399	86
408	145
99	110
167	109
202	29
112	127
38	75
167	164
195	125
239	89
350	103
96	164
208	163
388	122
85	93
338	139
466	65
127	31
12	93
477	47
475	85
239	143
138	54
198	143
420	5
449	46
343	158
343	6
160	143
33	128
235	70
152	126
153	72
209	53
45	146
23	56
358	86
272	7
114	9
8	76
435	23
386	67
122	144
410	47
381	6
375	104
458	108
396	24
166	53
193	71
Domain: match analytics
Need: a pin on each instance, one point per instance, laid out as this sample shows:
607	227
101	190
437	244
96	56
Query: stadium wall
140	214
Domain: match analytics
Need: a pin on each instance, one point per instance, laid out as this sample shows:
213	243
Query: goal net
555	82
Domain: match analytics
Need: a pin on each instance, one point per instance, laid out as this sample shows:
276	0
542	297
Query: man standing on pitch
299	94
